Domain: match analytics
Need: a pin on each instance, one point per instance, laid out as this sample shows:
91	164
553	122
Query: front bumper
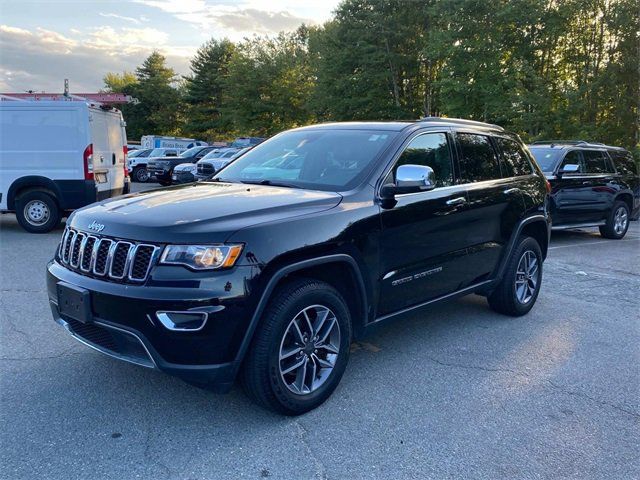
182	177
124	324
159	174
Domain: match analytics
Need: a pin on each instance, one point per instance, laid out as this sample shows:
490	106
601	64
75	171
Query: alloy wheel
309	349
142	175
527	277
620	220
37	212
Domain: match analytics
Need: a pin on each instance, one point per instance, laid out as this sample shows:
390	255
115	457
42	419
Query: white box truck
58	155
179	143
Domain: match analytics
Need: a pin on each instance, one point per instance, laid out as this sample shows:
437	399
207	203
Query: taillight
125	150
88	162
548	185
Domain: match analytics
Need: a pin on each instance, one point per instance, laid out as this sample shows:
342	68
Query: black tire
617	222
140	174
263	378
507	297
37	211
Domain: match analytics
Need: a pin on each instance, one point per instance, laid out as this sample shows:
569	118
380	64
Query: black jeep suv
592	184
270	270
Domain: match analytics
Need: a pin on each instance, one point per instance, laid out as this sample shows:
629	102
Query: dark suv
270	272
592	184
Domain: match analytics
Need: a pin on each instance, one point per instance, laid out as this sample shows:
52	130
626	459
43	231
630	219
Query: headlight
201	257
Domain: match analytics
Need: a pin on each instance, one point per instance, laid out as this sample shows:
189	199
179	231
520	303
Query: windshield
191	152
317	159
214	154
547	158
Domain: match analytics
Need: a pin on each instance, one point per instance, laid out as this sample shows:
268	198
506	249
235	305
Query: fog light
183	321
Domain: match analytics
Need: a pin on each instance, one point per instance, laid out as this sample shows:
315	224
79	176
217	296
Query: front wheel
518	290
37	212
300	349
141	174
617	222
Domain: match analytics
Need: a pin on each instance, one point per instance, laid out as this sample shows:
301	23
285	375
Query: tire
264	375
37	211
617	222
140	174
517	292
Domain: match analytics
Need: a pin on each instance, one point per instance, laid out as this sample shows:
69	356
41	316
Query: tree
204	90
269	84
159	109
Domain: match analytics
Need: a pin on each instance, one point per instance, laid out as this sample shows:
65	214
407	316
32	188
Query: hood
204	212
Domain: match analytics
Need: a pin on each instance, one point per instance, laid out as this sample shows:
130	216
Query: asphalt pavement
455	392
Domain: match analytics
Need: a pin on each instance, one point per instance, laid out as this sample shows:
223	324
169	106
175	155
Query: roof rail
566	142
461	121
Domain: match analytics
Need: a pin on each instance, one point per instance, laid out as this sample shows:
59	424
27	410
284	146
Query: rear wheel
617	222
37	212
140	174
300	349
518	290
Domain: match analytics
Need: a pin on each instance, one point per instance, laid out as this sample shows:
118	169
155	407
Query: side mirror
414	178
569	168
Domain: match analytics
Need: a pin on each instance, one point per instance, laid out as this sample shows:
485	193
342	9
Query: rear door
495	205
108	153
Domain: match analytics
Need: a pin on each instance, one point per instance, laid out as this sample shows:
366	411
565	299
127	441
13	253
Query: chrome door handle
457	201
509	191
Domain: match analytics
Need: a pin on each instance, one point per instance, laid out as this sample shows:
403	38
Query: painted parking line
599	242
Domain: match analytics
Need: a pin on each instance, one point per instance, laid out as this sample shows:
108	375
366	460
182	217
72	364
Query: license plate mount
74	302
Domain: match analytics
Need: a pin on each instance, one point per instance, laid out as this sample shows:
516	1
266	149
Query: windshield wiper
270	183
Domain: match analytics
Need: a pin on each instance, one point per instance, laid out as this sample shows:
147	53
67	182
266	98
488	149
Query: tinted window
326	159
596	162
624	163
478	160
574	157
515	161
431	150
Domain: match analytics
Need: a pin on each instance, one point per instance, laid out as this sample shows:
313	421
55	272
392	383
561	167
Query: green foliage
205	87
542	68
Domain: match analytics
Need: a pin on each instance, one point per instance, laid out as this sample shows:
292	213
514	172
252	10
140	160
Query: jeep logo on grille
95	226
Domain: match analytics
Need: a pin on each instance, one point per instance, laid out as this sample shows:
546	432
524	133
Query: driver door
423	248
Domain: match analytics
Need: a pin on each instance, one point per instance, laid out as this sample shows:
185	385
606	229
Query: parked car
592	185
56	156
271	279
216	161
242	142
139	153
184	173
213	161
161	169
138	164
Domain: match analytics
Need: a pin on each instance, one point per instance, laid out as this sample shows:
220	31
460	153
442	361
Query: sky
43	42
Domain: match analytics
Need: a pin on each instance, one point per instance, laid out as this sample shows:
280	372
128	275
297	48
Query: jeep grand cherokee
269	270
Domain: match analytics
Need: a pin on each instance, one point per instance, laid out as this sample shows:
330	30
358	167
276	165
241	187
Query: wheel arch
320	268
32	183
536	226
626	197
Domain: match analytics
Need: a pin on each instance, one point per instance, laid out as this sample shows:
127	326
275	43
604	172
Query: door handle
457	201
586	182
509	191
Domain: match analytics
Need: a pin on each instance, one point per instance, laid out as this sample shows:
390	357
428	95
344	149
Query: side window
624	163
574	157
431	150
515	161
171	153
597	162
478	161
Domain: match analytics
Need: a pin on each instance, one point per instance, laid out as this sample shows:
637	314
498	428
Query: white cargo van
56	156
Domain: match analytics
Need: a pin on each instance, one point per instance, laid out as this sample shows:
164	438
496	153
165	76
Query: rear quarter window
515	162
624	163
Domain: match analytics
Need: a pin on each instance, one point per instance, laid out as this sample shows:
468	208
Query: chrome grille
105	257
